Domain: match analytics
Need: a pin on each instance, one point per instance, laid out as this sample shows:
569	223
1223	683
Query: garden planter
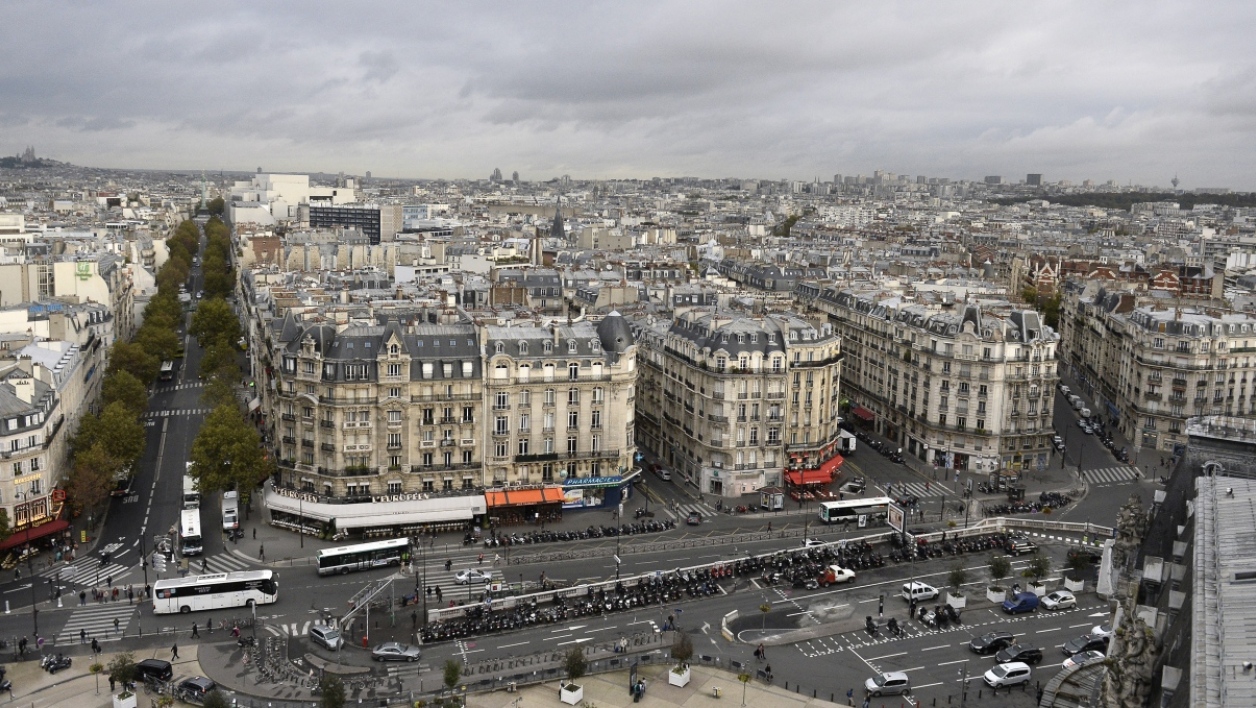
1074	585
569	693
996	594
679	676
126	699
958	600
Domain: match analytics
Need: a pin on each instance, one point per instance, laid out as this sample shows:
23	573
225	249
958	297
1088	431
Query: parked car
1059	600
1102	630
890	683
1023	602
811	542
156	669
472	575
1017	545
195	689
1086	642
1011	674
919	591
1086	657
991	642
854	485
395	651
1024	653
327	636
1065	390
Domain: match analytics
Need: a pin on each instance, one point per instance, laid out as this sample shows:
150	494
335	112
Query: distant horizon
1007	181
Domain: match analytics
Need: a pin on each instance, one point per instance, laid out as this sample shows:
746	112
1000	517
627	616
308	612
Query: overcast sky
1133	91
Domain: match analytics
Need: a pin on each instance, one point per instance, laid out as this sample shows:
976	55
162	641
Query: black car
1092	555
154	669
991	642
1024	653
1087	642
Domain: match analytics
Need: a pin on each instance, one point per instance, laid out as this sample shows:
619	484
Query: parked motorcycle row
801	569
651	590
53	663
923	550
522	539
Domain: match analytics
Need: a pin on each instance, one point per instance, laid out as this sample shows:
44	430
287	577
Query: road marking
928	685
940	646
1075	626
888	656
516	644
1044	631
560	636
914	668
874	669
575	641
948	663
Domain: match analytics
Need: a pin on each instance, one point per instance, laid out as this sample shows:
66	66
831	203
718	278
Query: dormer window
523	348
594	344
393	349
501	348
548	346
571	346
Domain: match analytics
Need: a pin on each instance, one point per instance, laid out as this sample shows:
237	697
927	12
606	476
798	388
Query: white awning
382	510
254	404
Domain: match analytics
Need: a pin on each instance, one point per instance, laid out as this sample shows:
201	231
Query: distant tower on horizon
204	190
1174	182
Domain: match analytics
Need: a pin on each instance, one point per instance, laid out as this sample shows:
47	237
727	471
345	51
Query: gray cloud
1073	90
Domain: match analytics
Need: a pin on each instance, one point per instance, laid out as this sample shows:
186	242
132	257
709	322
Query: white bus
191	495
216	591
167	371
230	511
190	543
872	509
363	556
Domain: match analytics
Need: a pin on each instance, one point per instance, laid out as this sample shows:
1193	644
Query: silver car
395	651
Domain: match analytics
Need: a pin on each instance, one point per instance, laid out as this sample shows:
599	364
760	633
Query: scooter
245	642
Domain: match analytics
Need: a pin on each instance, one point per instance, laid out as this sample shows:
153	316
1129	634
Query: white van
919	592
1079	404
1085	412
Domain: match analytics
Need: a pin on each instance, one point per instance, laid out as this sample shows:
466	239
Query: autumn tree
92	477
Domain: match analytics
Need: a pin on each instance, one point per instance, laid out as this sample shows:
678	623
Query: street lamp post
617	534
30	564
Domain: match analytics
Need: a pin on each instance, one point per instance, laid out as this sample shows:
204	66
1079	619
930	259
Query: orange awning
800	478
524	497
20	537
832	465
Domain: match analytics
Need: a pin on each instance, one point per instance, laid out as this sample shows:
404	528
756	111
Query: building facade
1151	367
963	387
446	409
730	401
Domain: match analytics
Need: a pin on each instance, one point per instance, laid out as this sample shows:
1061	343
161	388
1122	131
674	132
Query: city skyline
602	91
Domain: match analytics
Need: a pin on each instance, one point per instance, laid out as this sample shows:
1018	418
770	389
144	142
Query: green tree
91	478
215	699
1039	566
221	361
215	323
161	343
1000	568
574	663
116	429
453	673
5	529
126	356
227	454
333	690
682	647
122	667
958	576
216	206
122	387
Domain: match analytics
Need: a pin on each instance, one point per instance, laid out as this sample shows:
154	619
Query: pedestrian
82	597
414	618
204	565
438	594
82	636
174	652
480	560
195	634
113	683
21	646
255	534
496	558
95	646
109	580
130	595
762	654
116	625
850	696
209	624
115	595
261	553
866	703
769	527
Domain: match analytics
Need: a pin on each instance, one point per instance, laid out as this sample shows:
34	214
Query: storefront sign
593	481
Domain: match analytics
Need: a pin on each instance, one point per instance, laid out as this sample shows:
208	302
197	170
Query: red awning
20	537
832	465
864	413
800	478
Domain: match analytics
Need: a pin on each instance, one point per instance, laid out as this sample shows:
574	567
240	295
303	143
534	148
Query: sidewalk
35	688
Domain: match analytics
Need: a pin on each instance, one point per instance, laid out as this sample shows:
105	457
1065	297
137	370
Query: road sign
895	517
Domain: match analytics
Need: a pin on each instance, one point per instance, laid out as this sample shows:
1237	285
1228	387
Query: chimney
24	387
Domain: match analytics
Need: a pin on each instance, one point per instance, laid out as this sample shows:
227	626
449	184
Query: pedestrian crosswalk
680	511
290	629
922	490
89	571
221	563
176	412
107	622
179	387
1111	475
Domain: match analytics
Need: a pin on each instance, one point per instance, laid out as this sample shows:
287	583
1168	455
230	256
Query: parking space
936	660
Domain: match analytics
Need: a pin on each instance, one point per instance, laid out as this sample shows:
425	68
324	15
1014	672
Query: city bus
190	543
216	591
871	510
363	556
167	371
191	495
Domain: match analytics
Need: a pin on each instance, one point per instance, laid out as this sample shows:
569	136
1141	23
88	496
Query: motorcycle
54	663
245	642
